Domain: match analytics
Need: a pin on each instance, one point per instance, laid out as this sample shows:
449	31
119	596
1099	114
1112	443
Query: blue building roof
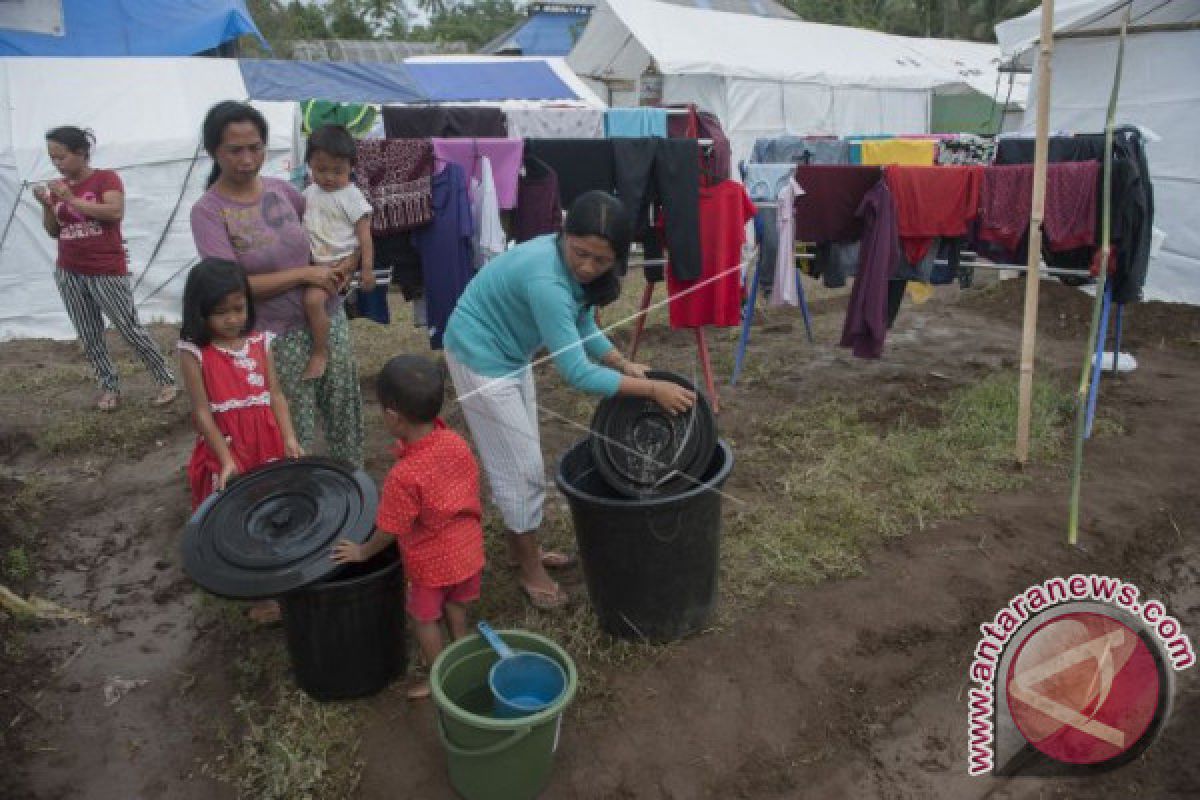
136	28
544	33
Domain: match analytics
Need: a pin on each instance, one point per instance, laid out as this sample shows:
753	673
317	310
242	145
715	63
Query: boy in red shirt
430	505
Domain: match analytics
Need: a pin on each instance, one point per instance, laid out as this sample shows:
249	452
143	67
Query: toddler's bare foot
315	368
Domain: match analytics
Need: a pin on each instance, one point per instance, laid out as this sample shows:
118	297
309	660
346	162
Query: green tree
474	23
950	19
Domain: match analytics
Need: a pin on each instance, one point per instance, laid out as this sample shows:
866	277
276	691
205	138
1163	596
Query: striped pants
502	416
91	298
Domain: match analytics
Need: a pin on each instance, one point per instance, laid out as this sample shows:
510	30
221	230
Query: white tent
146	114
1159	92
766	77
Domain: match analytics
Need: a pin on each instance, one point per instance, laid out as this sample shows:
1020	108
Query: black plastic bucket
650	564
346	636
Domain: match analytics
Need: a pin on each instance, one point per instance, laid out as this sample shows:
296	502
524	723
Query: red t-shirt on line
716	297
430	503
88	246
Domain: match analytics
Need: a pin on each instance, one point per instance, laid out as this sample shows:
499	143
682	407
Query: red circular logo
1083	688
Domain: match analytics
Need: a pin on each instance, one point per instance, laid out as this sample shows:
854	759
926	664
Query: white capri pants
502	416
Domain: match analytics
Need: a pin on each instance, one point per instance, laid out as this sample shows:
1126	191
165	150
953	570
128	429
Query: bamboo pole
1101	280
1037	213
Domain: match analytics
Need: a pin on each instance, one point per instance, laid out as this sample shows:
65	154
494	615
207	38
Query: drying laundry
827	211
394	174
505	156
427	122
866	324
716	298
446	249
931	202
666	172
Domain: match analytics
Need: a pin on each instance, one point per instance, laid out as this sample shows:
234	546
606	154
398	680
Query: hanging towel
866	324
505	155
1069	221
966	149
635	122
358	118
913	152
932	201
555	123
395	174
485	210
827	211
426	122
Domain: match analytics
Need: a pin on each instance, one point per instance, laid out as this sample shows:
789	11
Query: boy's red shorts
425	603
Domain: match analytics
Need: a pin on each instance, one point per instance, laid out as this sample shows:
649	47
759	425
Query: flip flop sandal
546	599
108	401
553	559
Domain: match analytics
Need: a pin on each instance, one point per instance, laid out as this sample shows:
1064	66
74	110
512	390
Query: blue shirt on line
522	300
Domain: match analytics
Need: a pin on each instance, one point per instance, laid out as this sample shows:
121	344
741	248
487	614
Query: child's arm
366	247
193	379
283	417
346	551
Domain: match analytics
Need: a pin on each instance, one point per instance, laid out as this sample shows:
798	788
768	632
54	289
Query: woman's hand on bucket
672	397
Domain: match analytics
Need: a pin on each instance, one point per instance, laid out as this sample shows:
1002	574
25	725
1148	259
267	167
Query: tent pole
1102	294
1037	213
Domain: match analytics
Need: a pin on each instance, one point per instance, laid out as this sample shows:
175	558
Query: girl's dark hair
221	116
210	282
77	140
333	140
413	386
598	213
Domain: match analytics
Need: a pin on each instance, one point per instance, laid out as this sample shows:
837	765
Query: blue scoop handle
494	640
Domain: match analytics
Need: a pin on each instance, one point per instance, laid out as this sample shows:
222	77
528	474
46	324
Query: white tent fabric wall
1159	92
147	120
767	77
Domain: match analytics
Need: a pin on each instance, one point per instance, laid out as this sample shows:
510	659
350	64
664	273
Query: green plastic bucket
491	758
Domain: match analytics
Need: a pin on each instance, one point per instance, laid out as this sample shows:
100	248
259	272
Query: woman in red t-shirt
83	212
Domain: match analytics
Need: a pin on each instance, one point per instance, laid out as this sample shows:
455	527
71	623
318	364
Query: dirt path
854	688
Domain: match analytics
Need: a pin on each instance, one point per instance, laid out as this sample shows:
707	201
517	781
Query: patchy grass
21	500
130	430
846	485
286	745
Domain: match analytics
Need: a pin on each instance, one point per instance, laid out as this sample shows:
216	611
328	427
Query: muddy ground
844	688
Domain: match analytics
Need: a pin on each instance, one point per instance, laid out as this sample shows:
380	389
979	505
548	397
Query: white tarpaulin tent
1159	92
766	77
146	114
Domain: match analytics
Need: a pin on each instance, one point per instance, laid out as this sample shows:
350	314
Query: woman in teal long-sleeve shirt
541	294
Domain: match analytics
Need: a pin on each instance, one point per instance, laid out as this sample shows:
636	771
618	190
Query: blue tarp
339	81
548	34
136	28
448	81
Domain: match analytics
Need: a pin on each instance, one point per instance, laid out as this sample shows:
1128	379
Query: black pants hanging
665	171
581	164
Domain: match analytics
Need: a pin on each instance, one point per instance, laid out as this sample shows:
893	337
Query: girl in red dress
240	413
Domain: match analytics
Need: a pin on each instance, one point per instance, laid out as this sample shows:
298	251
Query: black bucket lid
642	450
272	529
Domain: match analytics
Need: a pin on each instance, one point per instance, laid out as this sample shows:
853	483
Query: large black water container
650	564
346	635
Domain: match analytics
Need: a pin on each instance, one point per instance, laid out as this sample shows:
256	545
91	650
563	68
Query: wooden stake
1037	214
1101	279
